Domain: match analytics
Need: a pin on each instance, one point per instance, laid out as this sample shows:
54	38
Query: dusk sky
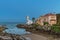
17	10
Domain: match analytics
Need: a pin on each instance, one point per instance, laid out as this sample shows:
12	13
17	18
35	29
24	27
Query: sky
17	10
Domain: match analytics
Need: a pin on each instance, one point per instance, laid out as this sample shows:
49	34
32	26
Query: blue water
12	29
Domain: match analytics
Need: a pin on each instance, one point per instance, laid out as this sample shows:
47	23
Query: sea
12	29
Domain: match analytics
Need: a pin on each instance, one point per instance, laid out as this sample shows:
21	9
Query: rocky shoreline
40	32
9	36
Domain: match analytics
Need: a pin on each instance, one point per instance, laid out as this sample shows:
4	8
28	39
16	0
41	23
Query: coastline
32	36
9	36
40	34
35	35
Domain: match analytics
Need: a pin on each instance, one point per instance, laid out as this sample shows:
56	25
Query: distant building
49	18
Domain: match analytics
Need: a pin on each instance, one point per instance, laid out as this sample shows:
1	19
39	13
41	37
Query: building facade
49	18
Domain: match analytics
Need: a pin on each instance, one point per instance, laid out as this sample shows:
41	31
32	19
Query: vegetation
58	19
46	23
34	26
55	28
33	19
56	25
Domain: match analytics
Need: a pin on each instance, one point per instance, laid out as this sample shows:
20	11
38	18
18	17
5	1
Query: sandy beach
39	37
36	37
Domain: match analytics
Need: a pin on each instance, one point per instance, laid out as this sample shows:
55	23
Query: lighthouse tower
29	22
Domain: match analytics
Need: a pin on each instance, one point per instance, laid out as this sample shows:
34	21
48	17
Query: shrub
46	23
34	26
56	25
56	29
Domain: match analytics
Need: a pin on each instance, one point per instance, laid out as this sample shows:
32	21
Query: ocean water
12	29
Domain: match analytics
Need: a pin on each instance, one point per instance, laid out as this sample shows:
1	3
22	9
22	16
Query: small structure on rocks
28	21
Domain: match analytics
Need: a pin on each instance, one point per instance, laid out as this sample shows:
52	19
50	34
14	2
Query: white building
28	20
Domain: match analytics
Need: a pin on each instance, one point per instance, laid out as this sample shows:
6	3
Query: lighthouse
29	22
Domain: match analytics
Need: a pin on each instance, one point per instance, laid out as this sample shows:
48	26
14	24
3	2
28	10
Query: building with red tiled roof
50	18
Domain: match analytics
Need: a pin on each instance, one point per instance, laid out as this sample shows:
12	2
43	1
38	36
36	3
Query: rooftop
49	14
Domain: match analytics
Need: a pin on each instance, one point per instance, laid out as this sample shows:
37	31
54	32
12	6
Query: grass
56	29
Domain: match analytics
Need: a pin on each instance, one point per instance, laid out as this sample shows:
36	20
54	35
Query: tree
33	19
58	18
46	23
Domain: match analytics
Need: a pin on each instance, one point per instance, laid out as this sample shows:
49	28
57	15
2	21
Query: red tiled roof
50	14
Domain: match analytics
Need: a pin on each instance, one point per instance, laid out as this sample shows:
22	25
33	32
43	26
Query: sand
36	37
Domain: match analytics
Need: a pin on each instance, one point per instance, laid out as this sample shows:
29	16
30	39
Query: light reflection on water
13	29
